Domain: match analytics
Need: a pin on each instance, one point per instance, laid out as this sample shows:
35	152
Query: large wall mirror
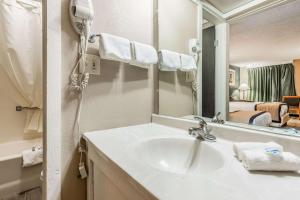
247	65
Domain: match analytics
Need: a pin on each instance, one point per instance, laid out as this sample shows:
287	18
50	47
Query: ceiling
269	37
227	5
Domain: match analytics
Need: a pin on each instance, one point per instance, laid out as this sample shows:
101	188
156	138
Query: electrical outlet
93	64
189	77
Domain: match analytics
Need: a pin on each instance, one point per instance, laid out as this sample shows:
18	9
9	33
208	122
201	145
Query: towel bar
21	108
92	38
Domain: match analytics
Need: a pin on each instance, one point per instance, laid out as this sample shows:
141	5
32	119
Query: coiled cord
195	87
79	80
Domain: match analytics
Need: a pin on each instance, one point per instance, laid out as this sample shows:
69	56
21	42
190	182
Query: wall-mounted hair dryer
82	15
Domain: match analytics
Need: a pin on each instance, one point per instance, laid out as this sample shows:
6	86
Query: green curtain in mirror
270	83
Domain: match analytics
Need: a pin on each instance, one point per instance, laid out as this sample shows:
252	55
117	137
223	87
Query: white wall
121	96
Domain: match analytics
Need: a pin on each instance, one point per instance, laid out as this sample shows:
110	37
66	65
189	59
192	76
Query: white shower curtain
21	54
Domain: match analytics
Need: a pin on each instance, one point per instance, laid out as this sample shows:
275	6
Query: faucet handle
209	137
192	132
201	121
216	119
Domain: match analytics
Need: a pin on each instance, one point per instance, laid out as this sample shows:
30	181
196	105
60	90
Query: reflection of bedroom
264	72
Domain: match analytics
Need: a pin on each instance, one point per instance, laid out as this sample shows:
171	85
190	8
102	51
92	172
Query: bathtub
13	178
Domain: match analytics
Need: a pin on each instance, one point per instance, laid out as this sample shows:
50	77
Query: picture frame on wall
231	77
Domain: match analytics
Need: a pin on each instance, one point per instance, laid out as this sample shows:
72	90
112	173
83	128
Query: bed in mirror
247	64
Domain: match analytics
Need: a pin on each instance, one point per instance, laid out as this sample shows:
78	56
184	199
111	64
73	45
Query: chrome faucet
202	132
217	120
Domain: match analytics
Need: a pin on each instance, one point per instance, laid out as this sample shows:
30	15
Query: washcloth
32	157
188	63
238	148
114	48
169	60
261	160
143	55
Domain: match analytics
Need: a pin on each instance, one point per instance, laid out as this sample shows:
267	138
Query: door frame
52	99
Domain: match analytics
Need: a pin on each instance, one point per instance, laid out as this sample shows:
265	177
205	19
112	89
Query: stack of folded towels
265	157
173	61
32	156
116	48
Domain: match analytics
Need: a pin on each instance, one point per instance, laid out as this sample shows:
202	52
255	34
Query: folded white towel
260	160
143	55
238	148
169	60
32	157
188	63
114	48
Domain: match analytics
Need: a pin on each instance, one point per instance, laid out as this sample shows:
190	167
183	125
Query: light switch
93	64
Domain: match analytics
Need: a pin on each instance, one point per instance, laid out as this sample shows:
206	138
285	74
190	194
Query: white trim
199	70
211	14
221	70
212	10
198	2
242	11
52	99
244	8
253	8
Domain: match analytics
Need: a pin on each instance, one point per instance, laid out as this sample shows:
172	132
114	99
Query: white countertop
231	182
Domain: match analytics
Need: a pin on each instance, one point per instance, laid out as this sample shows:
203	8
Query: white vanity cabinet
107	181
153	161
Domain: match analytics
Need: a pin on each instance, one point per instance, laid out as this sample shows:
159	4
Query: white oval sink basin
179	155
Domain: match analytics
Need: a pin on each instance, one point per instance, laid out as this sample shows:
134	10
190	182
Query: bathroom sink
179	155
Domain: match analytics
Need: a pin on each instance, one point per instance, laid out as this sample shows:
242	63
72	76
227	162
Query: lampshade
244	86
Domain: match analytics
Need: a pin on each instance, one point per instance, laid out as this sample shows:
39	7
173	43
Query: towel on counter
143	55
114	48
188	63
169	60
32	157
238	148
262	161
